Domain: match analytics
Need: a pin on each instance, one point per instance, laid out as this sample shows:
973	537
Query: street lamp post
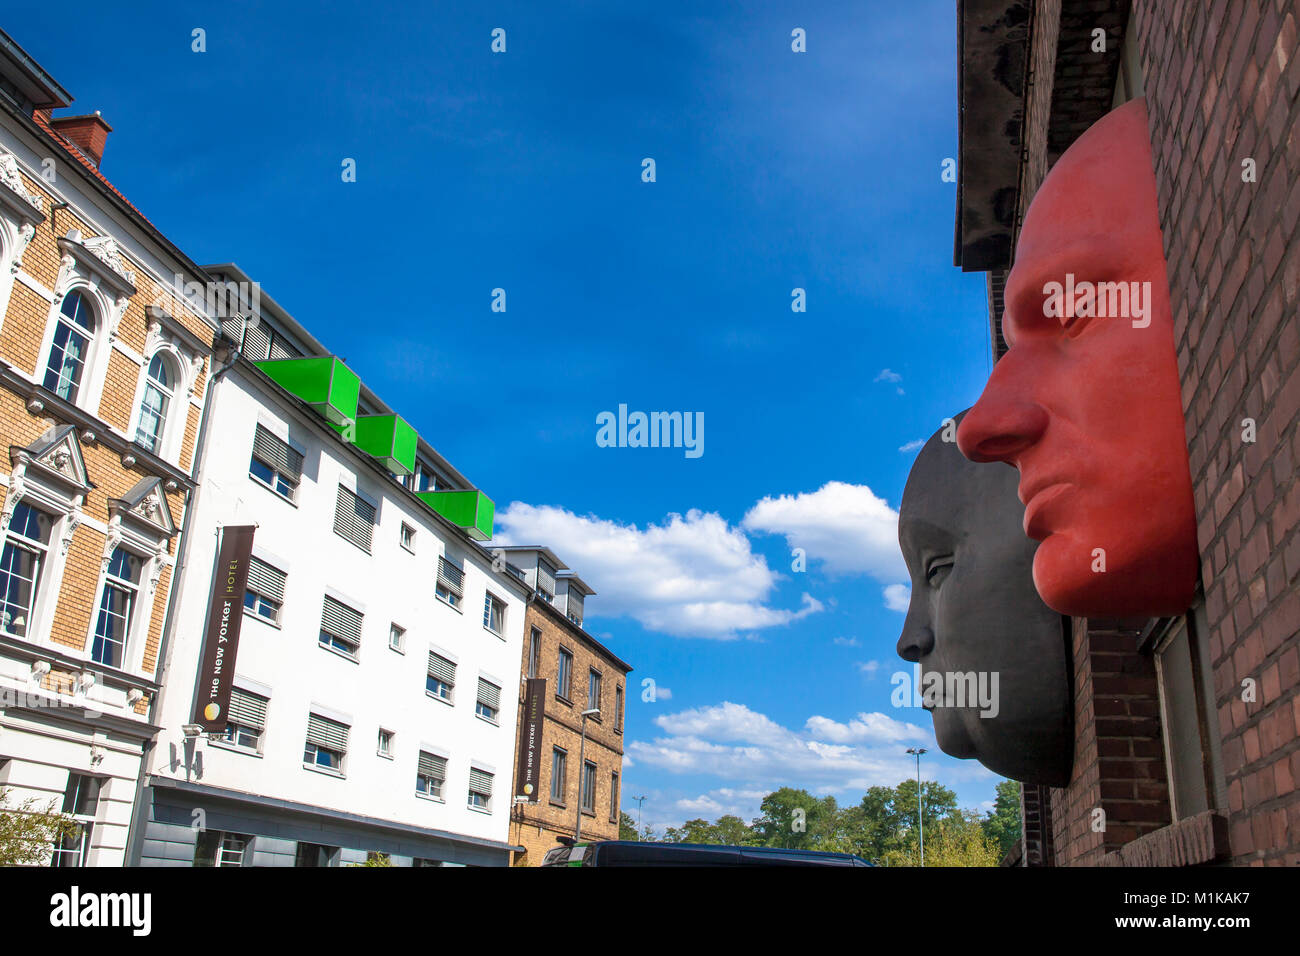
639	801
582	770
920	817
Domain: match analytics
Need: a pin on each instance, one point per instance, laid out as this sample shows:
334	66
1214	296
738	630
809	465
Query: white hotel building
376	680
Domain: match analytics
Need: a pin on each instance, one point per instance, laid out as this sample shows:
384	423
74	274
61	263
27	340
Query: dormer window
545	581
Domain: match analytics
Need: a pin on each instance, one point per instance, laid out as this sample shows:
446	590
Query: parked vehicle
632	853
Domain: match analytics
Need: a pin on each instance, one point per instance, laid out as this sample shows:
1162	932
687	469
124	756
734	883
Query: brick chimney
88	132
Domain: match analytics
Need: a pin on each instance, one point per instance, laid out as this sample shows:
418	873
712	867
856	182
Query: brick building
577	779
1186	748
103	371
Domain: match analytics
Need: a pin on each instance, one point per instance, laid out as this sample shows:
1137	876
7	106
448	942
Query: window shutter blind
247	709
280	349
266	580
340	620
480	781
354	519
257	344
324	732
575	605
545	577
433	766
449	576
277	453
489	693
442	669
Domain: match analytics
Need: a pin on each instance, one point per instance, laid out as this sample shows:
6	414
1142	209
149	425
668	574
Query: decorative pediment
12	180
56	454
145	505
101	256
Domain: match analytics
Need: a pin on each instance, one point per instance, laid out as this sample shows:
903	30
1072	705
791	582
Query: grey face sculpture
974	610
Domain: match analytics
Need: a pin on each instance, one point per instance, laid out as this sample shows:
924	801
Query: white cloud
887	376
734	743
870	668
847	642
912	445
722	801
846	527
693	575
897	597
663	693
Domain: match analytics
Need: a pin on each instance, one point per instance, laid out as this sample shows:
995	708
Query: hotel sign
528	774
225	614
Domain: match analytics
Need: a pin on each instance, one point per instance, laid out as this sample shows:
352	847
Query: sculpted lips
1037	506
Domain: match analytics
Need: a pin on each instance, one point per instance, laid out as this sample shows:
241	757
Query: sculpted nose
915	642
1003	423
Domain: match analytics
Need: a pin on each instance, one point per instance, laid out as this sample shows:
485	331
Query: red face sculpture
1086	404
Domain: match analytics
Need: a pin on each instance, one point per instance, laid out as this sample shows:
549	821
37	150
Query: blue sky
522	171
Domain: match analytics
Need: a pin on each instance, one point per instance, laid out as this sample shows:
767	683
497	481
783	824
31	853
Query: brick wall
536	826
1221	84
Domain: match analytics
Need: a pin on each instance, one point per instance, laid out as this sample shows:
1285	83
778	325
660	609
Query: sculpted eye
937	571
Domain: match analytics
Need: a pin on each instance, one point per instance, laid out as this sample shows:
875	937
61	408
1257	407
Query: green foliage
27	831
1002	825
882	827
376	859
626	826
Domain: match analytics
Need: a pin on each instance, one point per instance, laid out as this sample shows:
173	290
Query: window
315	854
489	700
559	770
441	680
564	675
265	594
618	710
480	789
354	519
494	613
451	580
385	745
613	797
275	463
534	652
593	689
327	743
589	787
81	802
157	398
25	548
71	346
431	774
397	638
545	581
423	479
573	605
246	720
116	606
340	628
218	848
408	537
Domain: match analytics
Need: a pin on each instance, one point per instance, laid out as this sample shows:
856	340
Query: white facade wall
383	688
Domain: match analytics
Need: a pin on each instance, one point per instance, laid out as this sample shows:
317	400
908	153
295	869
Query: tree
1002	825
795	819
27	832
626	826
956	840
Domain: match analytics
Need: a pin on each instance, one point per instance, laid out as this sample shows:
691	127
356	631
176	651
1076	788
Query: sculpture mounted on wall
1086	403
974	611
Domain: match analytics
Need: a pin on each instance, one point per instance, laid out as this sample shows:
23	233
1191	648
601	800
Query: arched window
116	608
71	346
155	403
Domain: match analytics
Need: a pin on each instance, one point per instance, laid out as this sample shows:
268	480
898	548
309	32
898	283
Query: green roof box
323	382
470	510
386	437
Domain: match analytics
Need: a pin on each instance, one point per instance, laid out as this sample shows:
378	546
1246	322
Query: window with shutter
442	677
354	519
246	719
480	789
431	774
265	594
451	580
489	700
573	610
275	463
340	627
327	743
546	580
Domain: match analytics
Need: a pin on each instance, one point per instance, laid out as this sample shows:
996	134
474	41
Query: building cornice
583	637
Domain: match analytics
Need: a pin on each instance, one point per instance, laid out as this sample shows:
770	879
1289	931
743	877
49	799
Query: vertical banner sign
225	614
527	779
